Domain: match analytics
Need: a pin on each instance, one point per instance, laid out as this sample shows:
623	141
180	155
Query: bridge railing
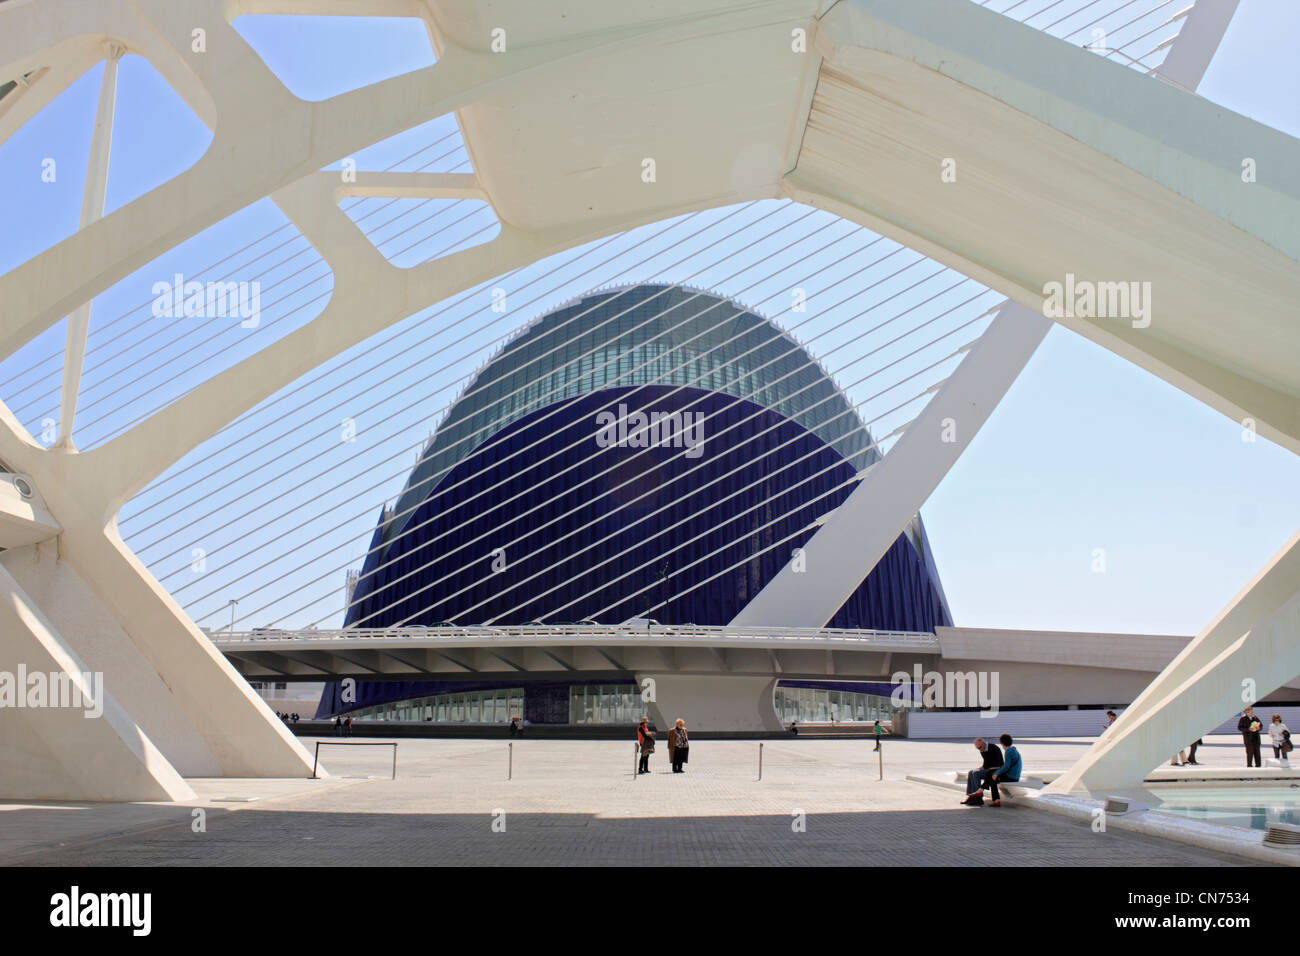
579	633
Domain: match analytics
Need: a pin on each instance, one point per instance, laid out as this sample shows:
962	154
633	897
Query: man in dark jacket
975	779
1250	725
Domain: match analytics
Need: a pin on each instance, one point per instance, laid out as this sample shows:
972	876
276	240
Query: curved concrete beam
1067	164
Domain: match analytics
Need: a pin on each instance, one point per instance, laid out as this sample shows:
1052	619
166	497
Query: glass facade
588	704
473	707
606	704
819	704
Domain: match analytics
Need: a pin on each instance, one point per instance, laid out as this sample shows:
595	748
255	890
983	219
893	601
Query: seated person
1009	772
975	779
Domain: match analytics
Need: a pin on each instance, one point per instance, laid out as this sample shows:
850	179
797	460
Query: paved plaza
819	802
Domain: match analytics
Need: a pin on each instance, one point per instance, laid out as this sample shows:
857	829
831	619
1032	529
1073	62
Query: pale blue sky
1085	452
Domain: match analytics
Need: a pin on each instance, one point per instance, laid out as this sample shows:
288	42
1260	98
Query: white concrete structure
730	672
730	109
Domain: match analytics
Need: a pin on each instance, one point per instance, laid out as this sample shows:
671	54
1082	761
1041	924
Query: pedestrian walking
879	731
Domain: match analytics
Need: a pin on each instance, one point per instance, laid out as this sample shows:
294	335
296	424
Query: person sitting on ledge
975	779
1009	772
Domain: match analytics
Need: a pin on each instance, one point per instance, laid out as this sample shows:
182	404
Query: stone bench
1012	789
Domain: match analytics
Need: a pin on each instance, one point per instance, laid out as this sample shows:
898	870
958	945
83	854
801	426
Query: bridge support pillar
712	702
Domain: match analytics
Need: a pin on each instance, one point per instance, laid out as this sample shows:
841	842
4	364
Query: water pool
1246	806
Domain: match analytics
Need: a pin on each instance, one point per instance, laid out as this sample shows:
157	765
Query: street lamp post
232	602
663	581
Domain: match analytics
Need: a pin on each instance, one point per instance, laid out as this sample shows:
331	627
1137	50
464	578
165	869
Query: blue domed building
651	451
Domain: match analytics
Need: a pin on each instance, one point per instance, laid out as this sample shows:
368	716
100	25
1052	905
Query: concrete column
713	702
90	751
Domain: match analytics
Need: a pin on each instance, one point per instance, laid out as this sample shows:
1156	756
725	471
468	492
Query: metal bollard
881	752
636	748
760	760
510	761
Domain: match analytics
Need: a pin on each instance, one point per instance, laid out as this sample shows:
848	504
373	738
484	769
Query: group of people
1250	727
1002	765
998	765
1279	736
342	726
679	745
287	718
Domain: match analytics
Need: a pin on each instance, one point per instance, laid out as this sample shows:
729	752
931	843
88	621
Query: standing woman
1278	732
646	740
681	746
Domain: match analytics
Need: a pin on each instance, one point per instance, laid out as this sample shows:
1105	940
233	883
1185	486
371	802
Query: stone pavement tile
920	838
577	802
